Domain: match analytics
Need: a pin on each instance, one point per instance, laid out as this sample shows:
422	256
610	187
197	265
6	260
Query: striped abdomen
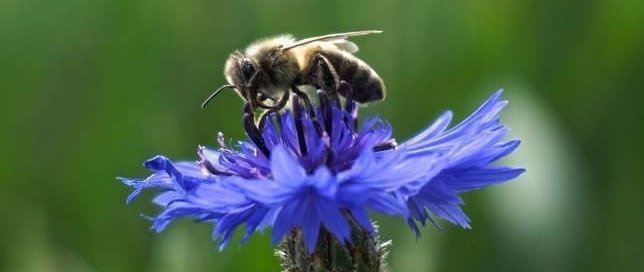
365	83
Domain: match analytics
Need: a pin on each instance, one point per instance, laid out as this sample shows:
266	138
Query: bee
268	70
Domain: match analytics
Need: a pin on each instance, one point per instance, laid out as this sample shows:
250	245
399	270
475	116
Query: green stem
364	254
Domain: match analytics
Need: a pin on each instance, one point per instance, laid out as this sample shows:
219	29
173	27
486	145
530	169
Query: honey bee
269	69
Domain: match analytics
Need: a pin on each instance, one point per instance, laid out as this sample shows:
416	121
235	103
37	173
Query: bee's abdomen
365	83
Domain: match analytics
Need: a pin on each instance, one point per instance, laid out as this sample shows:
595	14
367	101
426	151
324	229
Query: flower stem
364	254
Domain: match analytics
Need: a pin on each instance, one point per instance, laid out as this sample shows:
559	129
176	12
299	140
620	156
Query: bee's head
263	71
241	72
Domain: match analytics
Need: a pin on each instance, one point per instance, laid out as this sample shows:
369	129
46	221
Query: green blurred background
90	89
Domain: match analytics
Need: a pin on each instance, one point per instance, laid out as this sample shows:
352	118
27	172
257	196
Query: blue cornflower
468	151
310	168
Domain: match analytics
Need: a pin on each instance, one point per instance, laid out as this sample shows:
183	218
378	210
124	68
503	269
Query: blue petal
309	221
164	199
324	182
286	170
433	130
334	221
191	171
182	176
465	153
266	192
284	222
444	203
388	204
476	178
361	216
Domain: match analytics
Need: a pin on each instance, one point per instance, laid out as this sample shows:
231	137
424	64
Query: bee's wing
333	37
345	45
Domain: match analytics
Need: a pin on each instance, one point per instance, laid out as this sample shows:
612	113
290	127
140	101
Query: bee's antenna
215	93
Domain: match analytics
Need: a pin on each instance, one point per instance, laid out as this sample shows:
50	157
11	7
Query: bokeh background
90	89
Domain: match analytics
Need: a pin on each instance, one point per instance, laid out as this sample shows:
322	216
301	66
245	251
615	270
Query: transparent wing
332	37
345	45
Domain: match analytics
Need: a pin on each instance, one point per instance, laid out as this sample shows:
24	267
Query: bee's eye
248	68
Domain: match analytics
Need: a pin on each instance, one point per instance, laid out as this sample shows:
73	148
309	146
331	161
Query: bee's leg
305	98
345	90
323	74
251	101
274	108
282	102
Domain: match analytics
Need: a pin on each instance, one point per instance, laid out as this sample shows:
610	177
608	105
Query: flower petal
285	169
